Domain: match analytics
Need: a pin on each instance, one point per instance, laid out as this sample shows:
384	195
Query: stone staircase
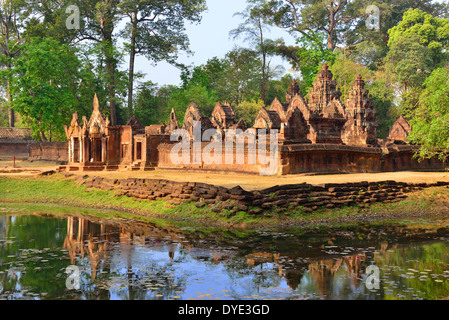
139	166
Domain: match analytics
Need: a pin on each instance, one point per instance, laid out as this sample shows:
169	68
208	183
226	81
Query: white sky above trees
208	39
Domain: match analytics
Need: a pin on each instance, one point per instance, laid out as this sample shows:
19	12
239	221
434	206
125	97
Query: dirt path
256	182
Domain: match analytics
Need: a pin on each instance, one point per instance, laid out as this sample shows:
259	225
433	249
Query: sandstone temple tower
327	112
361	124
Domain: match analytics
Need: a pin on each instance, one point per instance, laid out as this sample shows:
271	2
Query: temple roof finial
96	103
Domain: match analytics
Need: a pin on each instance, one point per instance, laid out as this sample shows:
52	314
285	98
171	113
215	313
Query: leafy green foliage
427	30
248	111
46	80
418	45
151	103
430	124
345	72
312	54
278	88
3	115
382	93
181	98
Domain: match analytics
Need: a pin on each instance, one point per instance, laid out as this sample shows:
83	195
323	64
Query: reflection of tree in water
253	273
21	257
423	267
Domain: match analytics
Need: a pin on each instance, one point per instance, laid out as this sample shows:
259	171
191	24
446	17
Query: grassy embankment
58	195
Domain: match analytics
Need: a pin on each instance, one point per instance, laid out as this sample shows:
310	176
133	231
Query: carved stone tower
324	91
361	125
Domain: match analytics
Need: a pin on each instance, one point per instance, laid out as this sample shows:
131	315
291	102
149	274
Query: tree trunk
12	118
111	90
110	71
262	87
132	58
43	137
264	62
330	31
11	113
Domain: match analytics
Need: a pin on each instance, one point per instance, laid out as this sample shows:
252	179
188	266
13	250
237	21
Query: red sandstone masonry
310	197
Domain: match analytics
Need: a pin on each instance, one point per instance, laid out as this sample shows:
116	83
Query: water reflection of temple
327	271
87	239
93	240
323	271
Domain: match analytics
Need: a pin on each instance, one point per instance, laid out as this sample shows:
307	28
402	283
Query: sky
208	39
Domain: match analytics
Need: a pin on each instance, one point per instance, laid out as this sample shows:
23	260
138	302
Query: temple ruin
318	133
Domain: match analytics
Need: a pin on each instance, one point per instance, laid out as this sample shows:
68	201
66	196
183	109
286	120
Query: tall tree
10	39
97	24
156	29
430	31
242	78
308	17
151	103
311	56
254	30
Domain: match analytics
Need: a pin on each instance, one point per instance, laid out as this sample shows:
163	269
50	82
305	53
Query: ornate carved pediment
267	119
278	107
135	124
223	116
297	125
334	109
75	129
400	130
97	123
298	102
173	123
193	114
239	125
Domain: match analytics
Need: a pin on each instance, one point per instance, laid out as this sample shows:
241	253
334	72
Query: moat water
118	261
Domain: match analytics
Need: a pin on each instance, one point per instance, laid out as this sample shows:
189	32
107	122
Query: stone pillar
81	151
71	150
103	150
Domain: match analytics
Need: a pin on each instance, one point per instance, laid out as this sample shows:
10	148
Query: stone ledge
282	196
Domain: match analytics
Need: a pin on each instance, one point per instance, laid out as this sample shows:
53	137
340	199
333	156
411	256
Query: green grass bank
61	195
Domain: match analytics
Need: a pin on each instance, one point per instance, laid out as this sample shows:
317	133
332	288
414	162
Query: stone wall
49	151
253	167
17	148
310	197
15	142
401	158
317	158
324	158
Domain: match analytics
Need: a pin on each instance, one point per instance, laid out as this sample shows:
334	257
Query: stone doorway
139	151
96	150
76	150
